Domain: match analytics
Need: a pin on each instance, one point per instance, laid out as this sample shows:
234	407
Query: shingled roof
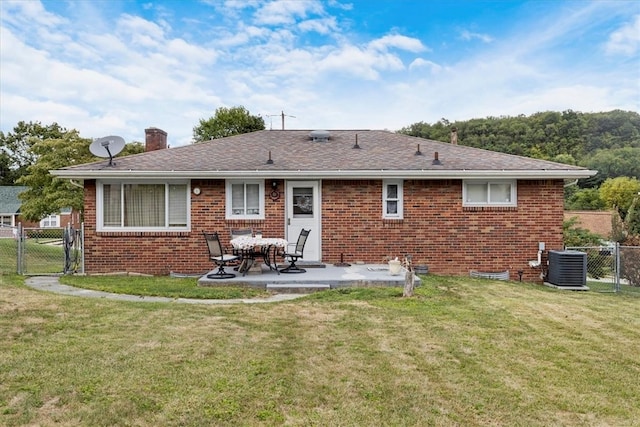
346	154
9	201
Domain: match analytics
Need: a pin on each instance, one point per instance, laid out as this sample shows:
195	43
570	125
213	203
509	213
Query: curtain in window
253	199
392	199
237	199
177	205
111	205
144	205
500	193
477	193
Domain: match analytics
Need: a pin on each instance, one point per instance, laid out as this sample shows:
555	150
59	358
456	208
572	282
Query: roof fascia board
348	174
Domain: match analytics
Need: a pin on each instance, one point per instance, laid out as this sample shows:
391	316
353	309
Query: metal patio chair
217	255
295	252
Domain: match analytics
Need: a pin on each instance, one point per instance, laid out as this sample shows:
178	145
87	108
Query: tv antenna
108	146
282	114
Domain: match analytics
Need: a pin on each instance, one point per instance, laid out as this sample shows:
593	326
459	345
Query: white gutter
334	174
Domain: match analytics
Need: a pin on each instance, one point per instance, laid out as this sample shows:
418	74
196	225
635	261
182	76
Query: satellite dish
108	146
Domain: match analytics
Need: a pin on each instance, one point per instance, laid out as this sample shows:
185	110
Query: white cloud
419	63
285	12
296	57
625	40
399	42
468	35
320	26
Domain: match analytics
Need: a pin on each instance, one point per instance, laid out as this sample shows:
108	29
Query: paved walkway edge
52	284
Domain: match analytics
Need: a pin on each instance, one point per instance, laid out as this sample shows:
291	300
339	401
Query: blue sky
117	67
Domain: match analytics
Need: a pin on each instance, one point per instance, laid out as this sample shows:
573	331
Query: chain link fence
33	251
8	249
613	268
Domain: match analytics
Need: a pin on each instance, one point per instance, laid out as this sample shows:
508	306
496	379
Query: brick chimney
155	139
454	136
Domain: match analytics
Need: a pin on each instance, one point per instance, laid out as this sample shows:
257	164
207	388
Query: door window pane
303	202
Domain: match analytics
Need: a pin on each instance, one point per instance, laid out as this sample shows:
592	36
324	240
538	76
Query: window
245	199
50	221
489	193
144	206
6	220
392	199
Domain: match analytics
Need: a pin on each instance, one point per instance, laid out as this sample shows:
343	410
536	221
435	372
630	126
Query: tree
15	148
619	193
574	235
611	164
632	220
585	199
47	194
227	122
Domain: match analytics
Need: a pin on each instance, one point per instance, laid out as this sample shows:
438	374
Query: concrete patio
317	277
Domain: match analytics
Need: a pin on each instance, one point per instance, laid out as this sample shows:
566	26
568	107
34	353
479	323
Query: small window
392	199
50	221
6	220
245	199
489	193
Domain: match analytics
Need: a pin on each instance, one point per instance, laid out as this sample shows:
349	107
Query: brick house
10	204
365	195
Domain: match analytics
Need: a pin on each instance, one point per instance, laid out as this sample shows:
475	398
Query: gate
49	250
612	268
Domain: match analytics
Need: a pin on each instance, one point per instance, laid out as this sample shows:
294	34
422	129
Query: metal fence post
82	247
617	261
19	248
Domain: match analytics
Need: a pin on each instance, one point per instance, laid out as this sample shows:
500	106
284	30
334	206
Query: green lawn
41	256
462	352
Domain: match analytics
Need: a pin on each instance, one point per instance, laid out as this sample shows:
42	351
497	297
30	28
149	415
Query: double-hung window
489	193
143	206
392	203
50	221
245	199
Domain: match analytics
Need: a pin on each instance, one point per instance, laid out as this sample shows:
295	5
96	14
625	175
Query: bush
630	264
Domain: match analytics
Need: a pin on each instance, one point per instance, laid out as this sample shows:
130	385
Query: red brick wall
160	253
436	229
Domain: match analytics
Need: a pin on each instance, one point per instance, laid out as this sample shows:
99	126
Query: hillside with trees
567	137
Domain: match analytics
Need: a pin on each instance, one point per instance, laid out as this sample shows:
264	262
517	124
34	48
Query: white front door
303	211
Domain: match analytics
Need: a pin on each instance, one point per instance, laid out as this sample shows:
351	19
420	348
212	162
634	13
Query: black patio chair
217	255
237	232
295	252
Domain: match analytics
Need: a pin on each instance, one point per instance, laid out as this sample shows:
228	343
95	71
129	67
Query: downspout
75	184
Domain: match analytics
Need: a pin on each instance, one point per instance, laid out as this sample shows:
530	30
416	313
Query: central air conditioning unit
567	268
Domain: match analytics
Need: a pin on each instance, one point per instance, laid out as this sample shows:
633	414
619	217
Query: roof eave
335	174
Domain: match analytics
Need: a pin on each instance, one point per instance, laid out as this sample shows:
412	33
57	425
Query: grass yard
41	257
462	352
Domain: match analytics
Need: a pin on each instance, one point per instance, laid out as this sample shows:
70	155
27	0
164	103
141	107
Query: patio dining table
253	247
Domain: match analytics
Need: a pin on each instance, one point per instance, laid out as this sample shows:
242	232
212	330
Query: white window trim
400	214
228	198
514	192
48	220
100	211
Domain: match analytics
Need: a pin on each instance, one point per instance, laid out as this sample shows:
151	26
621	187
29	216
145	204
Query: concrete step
296	288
